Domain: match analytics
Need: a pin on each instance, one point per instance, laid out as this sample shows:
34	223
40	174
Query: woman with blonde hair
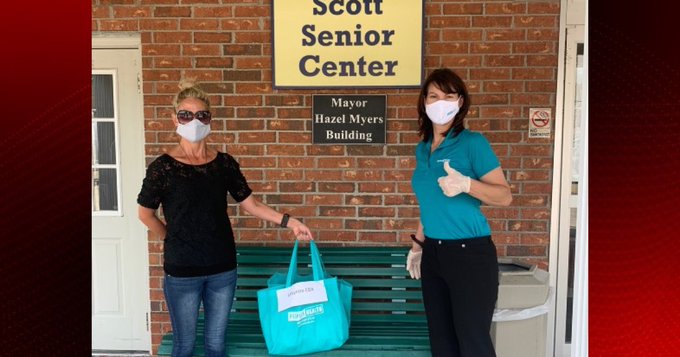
191	181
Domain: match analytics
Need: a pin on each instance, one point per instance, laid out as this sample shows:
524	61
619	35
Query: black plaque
349	119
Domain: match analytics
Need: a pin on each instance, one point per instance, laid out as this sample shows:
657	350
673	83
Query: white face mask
194	130
442	111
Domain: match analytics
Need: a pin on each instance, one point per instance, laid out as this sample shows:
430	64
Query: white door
120	271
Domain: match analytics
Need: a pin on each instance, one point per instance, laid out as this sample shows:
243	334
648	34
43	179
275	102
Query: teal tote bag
305	314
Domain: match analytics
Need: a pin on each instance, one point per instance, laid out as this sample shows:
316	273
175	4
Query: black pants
460	288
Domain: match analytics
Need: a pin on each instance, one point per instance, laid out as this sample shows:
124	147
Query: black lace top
199	239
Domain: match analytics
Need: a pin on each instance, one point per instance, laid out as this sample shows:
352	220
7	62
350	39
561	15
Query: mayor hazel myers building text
351	119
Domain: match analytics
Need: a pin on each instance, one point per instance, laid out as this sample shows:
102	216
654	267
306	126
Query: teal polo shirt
460	216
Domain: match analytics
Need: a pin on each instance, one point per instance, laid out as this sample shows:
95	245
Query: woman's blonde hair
190	89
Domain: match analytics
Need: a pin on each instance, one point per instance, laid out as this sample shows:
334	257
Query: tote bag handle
318	271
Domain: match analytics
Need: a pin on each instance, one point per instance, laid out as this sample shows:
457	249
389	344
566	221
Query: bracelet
421	244
284	220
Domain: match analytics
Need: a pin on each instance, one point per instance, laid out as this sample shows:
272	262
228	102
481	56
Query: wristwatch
284	220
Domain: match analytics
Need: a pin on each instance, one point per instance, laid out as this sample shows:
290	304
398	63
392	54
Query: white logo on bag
295	316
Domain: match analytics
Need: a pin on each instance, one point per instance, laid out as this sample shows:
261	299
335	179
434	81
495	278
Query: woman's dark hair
449	82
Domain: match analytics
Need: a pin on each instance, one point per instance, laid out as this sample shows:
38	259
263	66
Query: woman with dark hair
456	171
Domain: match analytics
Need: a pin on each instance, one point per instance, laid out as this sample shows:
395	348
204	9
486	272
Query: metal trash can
520	320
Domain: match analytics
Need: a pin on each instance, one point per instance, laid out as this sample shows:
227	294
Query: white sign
306	292
540	121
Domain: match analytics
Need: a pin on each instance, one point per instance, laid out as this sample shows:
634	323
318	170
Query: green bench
388	318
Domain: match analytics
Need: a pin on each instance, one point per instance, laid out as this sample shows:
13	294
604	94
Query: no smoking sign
540	122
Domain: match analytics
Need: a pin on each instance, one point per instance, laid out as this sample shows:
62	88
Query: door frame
130	42
571	33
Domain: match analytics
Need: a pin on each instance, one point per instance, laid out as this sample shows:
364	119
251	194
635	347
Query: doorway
120	270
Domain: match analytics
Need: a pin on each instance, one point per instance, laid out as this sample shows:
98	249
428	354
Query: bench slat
334	271
249	282
356	294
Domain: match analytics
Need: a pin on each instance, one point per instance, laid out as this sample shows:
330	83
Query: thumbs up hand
454	182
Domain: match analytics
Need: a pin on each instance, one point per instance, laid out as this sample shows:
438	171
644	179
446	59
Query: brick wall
348	194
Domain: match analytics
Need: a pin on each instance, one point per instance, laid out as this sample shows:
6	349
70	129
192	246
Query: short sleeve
152	187
238	186
482	156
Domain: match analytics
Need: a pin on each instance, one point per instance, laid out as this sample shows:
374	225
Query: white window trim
116	166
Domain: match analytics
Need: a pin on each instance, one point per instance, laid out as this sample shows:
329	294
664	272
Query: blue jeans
184	296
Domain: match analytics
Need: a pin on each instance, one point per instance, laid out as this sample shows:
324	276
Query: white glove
454	182
413	263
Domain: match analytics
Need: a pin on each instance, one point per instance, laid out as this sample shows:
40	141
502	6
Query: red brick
172	62
463	9
532	99
450	21
504	8
172	37
361	175
363	224
540	47
376	212
287	124
505	34
294	113
490	47
447	48
337	236
461	35
542	86
489	73
131	11
285	175
336	187
537	162
199	24
324	223
542	60
503	87
241	24
461	61
536	21
214	62
119	25
160	50
252	37
548	7
277	150
492	21
504	137
542	34
337	211
323	175
378	237
200	2
101	12
252	11
172	11
213	11
364	150
323	199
